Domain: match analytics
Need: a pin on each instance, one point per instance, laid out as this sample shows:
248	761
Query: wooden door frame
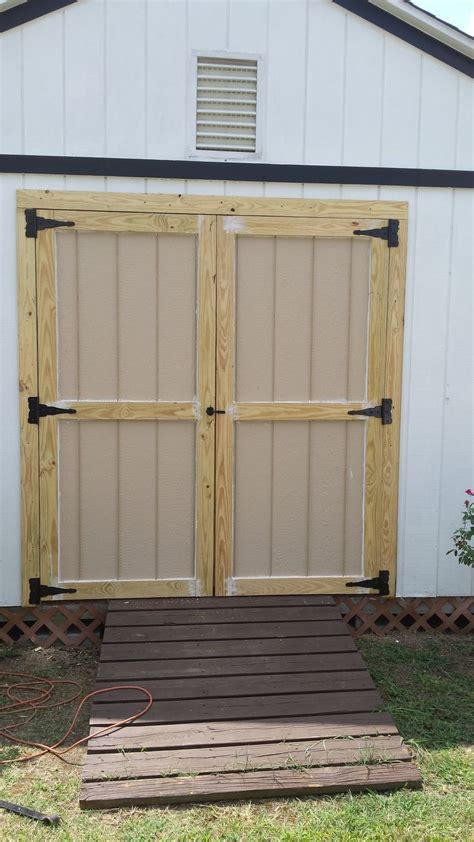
59	201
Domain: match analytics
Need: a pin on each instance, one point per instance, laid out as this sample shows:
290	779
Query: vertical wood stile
393	389
375	392
206	375
224	397
28	387
47	387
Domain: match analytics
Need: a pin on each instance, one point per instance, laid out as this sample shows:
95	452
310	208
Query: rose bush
463	538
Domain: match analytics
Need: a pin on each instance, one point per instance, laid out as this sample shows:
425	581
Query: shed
243	234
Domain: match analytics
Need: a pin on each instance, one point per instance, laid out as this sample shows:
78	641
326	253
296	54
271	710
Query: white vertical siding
325	93
10	567
166	103
438	126
401	96
285	68
110	79
424	389
456	460
43	86
84	78
125	105
362	94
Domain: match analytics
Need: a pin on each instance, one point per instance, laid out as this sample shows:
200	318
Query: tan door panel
302	310
126	338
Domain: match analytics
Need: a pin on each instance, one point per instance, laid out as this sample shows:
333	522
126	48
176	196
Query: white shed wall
110	79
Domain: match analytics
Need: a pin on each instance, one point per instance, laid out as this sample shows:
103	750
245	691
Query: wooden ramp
254	697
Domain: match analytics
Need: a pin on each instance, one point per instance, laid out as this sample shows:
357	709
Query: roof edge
440	29
17	15
387	15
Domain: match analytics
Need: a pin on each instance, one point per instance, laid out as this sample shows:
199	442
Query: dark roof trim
234	171
415	37
17	15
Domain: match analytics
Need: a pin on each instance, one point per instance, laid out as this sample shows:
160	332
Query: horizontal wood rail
74	200
297	411
130	410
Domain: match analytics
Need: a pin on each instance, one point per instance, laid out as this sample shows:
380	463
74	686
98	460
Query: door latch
211	411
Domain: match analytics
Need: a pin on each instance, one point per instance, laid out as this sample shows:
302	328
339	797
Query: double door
203	387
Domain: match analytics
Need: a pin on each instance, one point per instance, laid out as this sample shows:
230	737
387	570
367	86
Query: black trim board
410	34
30	10
234	171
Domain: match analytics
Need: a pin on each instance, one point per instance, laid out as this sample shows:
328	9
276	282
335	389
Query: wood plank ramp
253	697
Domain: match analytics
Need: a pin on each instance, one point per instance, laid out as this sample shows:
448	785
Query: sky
458	12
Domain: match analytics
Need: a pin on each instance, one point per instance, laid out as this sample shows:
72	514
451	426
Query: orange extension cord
42	690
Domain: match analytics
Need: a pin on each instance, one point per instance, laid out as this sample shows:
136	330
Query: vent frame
224	154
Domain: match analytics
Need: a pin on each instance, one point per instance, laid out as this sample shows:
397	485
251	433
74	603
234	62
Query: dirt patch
50	723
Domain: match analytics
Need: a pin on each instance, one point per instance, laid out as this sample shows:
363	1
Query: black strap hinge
39	591
384	411
39	410
380	583
388	232
35	223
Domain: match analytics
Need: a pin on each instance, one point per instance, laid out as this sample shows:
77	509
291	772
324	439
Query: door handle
211	411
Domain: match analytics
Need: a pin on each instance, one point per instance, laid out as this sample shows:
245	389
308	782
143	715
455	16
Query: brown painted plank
244	732
247	685
264	614
244	758
241	707
259	665
186	602
223	631
224	648
287	782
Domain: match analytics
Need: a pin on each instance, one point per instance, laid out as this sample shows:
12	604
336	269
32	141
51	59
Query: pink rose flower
470	492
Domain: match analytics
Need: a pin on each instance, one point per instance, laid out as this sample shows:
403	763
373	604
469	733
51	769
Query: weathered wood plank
184	603
242	695
244	732
242	707
224	648
164	617
223	631
188	667
139	764
247	685
98	795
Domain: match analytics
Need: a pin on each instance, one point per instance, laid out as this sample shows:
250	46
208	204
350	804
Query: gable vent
226	104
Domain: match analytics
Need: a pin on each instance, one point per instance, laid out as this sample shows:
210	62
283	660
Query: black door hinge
35	223
384	411
380	583
211	411
388	232
39	591
39	410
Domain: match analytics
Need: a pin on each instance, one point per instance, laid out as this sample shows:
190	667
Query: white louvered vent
226	104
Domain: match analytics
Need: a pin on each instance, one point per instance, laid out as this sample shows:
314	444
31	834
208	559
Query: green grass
426	681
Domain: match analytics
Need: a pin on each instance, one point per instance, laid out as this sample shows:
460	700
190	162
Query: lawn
426	681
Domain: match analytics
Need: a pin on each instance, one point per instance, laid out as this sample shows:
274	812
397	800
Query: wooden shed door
126	334
302	318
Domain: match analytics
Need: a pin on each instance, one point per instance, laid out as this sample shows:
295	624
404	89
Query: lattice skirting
82	623
67	623
453	614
